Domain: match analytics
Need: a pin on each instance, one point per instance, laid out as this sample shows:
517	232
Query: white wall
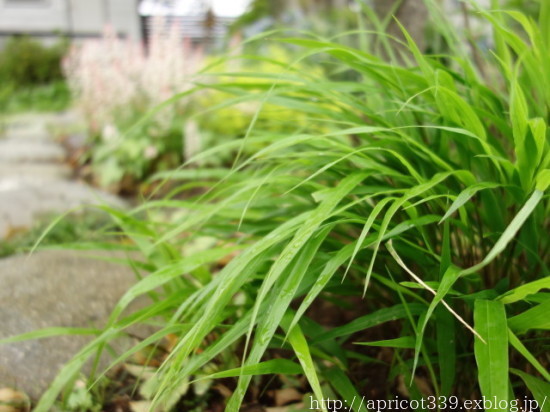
124	17
80	17
38	15
87	15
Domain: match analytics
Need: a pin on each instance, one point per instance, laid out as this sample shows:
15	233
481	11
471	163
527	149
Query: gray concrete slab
25	151
47	289
23	202
34	171
27	131
53	288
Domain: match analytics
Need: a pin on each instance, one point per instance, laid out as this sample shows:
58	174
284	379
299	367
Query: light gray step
54	288
34	171
30	151
23	202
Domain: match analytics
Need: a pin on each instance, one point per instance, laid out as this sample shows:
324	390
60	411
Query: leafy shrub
138	82
30	76
219	115
26	62
55	96
415	201
70	230
116	82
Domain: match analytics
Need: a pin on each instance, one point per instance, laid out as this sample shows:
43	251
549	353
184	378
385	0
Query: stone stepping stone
24	201
21	121
53	288
37	172
47	289
30	151
32	131
41	121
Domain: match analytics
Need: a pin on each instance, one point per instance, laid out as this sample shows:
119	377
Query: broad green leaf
165	274
534	318
223	343
539	389
538	130
466	195
229	280
445	325
544	22
509	233
372	319
519	115
447	281
301	348
342	255
279	302
402	342
312	222
396	205
365	231
446	348
516	343
273	366
47	333
460	112
522	291
543	180
423	63
492	356
344	387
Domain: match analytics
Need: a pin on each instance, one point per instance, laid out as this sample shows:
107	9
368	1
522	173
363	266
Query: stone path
34	180
49	288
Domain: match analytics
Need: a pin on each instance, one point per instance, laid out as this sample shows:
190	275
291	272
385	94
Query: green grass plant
31	78
70	229
415	201
51	97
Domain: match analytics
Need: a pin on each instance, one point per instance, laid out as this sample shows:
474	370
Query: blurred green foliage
353	181
26	62
122	159
31	77
220	122
55	96
90	226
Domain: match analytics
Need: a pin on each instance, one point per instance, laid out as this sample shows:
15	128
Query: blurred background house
36	36
204	22
47	19
201	21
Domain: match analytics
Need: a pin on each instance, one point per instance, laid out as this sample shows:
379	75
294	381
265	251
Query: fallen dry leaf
287	395
14	401
289	408
252	408
423	386
172	340
402	388
140	371
143	406
223	390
